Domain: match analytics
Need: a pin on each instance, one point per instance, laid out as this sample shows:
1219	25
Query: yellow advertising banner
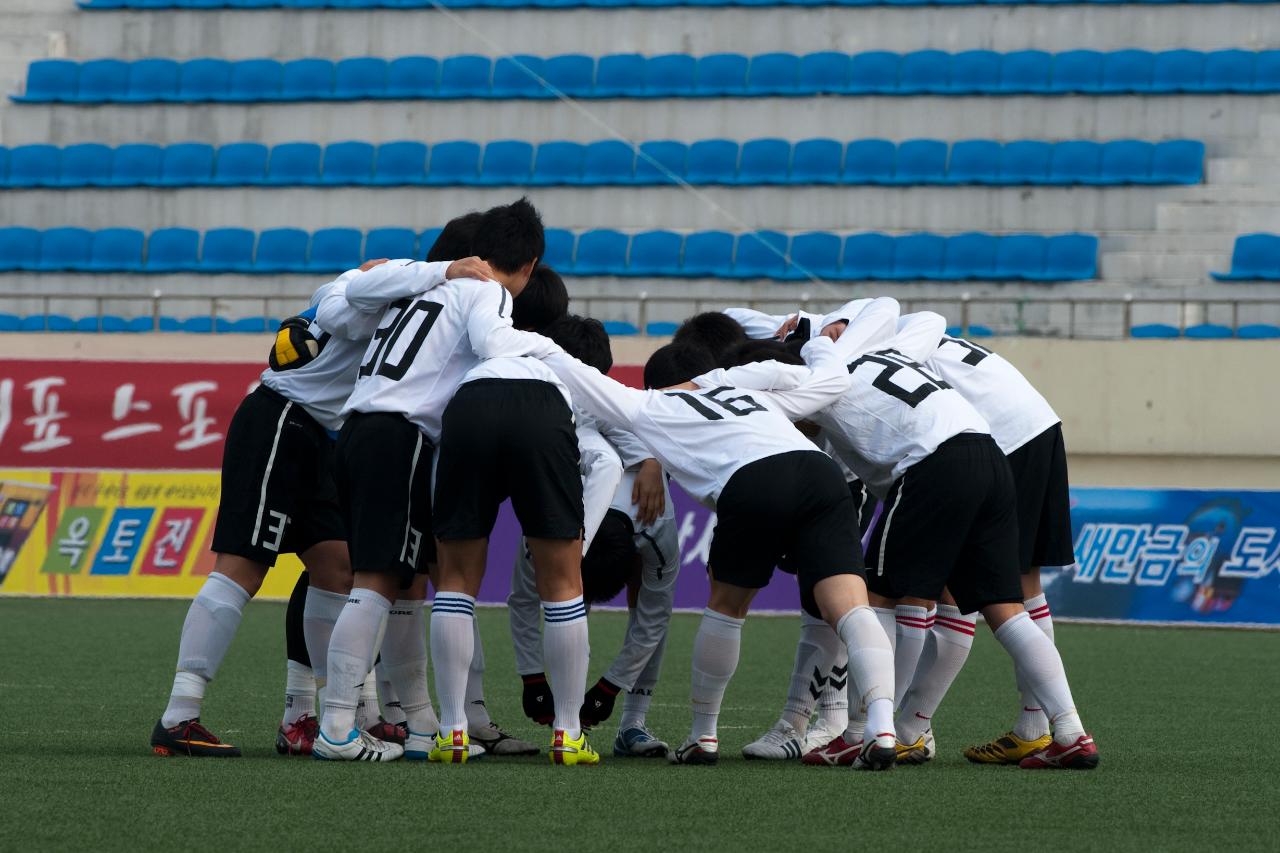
133	534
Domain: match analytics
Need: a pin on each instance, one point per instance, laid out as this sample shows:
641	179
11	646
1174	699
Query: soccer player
425	344
715	330
777	498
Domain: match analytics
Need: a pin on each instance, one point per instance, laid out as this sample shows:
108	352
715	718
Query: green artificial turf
1181	718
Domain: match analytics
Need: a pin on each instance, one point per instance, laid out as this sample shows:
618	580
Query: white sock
367	710
319	615
1032	722
387	697
565	653
299	693
945	652
210	625
715	657
815	655
404	660
477	713
870	665
352	648
913	625
452	644
1041	667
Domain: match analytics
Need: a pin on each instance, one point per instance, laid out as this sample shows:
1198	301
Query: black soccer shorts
1044	501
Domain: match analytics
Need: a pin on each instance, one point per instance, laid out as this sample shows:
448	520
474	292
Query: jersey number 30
740	405
418	316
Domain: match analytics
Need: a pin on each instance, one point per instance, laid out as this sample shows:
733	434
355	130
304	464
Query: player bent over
733	446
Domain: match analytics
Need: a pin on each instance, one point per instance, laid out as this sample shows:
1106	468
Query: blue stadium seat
873	72
921	161
1208	332
974	72
506	163
1025	162
347	163
918	256
1154	330
427	241
655	253
64	249
389	243
1258	332
465	76
1177	161
661	328
136	165
413	77
601	251
169	324
309	79
360	77
294	164
1025	72
186	164
721	74
620	328
712	161
867	256
240	164
1178	71
19	248
1076	71
814	253
608	162
400	163
765	161
1266	73
116	250
1255	257
102	80
572	73
254	80
657	161
454	163
668	75
771	74
870	161
34	166
4	165
1069	257
283	250
974	161
558	164
824	73
109	323
1126	161
619	74
1075	162
969	256
924	71
514	77
205	325
10	323
51	80
1019	256
977	330
48	323
173	250
227	250
816	161
152	80
204	80
335	250
141	324
761	255
251	326
559	251
1127	71
708	254
1229	71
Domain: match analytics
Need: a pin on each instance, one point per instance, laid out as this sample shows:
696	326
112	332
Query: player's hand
787	328
647	494
539	705
294	345
834	330
368	265
597	705
470	268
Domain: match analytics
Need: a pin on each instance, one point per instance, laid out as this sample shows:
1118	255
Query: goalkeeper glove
598	703
294	345
539	705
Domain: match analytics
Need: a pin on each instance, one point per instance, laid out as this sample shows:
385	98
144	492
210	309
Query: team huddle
908	479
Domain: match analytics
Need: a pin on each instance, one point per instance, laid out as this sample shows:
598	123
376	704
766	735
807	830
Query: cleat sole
162	751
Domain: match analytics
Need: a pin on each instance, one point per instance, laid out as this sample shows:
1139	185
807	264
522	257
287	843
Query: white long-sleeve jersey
428	338
760	325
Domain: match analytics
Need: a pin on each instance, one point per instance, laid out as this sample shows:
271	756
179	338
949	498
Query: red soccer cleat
190	738
298	737
1080	754
390	732
838	753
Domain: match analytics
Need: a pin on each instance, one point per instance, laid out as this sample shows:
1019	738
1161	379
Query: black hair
676	363
713	330
544	300
611	559
583	338
454	240
509	236
753	351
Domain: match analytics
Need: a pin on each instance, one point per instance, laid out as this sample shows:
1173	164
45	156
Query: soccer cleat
837	753
359	746
638	742
704	751
298	737
454	748
1006	749
878	753
1080	754
497	742
780	743
919	751
390	732
820	734
190	738
567	750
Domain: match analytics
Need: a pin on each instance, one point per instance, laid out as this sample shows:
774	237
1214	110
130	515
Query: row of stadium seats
666	76
514	163
563	4
1255	257
115	323
1207	332
711	254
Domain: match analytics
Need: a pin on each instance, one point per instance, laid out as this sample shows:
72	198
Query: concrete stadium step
1161	268
1211	216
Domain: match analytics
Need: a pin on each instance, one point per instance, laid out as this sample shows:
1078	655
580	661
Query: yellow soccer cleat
919	751
1006	749
566	750
451	749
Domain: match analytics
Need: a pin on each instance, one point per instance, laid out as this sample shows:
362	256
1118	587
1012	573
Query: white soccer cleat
822	733
780	743
878	753
360	746
705	751
494	741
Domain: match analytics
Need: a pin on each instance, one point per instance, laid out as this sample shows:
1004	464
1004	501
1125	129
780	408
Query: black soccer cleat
191	739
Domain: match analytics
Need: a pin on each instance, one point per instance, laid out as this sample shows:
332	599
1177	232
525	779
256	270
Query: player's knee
329	566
